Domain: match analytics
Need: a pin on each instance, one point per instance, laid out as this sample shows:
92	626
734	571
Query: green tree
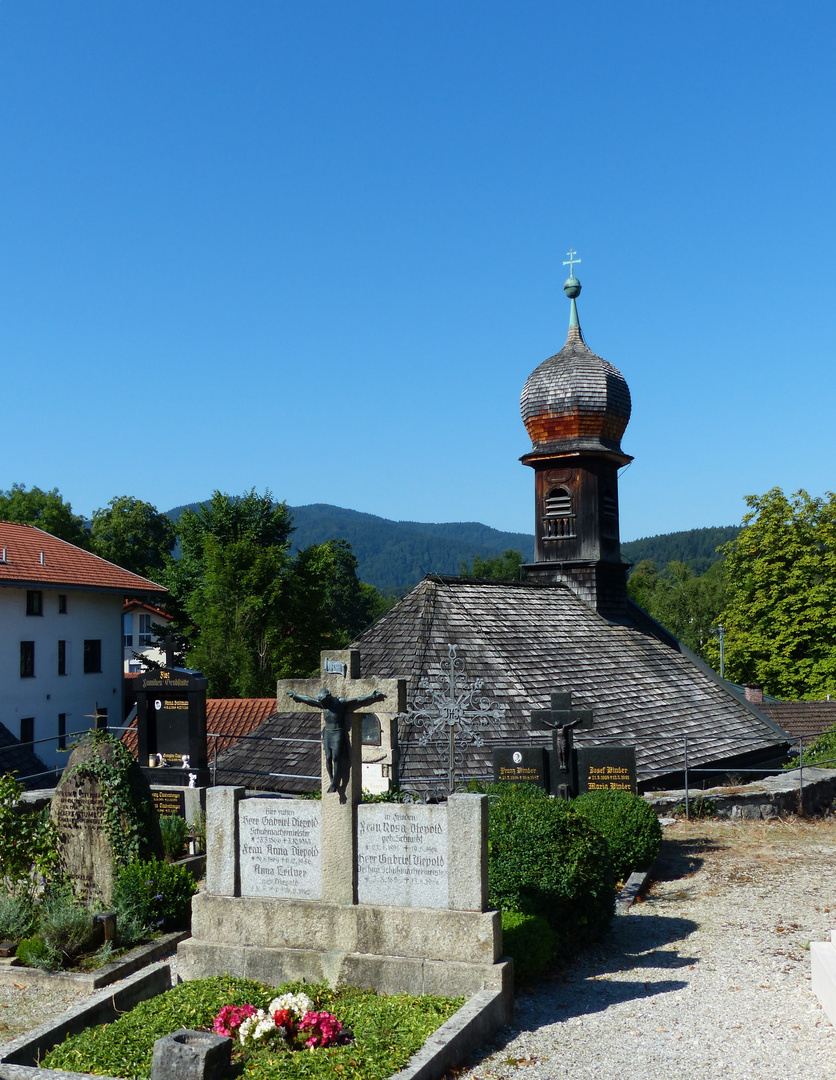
133	534
504	567
249	612
685	603
45	509
780	613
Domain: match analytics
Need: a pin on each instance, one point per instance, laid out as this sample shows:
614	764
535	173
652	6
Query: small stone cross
341	783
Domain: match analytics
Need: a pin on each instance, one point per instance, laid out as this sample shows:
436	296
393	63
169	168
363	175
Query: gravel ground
23	1007
709	977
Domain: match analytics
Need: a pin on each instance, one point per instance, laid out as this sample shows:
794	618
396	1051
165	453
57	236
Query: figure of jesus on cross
336	716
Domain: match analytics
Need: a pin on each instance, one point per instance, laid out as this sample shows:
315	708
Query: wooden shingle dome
575	395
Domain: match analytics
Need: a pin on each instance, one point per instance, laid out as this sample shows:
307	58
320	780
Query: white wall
151	651
89	615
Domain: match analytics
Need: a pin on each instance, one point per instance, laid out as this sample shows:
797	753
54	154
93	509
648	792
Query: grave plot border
473	1024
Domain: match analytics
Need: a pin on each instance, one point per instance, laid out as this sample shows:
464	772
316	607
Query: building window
62	658
370	730
27	659
559	520
62	604
27	729
92	656
34	602
144	629
127	631
62	731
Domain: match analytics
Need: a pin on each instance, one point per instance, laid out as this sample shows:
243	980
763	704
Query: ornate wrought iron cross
570	262
453	717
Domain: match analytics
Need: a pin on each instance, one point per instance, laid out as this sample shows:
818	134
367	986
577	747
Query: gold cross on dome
570	262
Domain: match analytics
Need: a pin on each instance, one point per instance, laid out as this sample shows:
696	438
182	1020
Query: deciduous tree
780	615
45	509
133	534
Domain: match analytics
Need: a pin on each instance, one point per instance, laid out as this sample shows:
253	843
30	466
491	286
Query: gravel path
708	978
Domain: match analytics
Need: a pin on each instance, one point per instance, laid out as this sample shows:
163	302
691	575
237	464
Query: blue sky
317	248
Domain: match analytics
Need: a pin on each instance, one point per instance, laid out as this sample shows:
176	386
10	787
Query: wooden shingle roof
526	640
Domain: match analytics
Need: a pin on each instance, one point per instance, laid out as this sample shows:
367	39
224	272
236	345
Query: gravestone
280	844
606	768
78	811
389	896
524	765
561	719
171	727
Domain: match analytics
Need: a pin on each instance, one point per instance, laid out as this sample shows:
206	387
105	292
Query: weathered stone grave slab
606	768
280	841
78	812
402	855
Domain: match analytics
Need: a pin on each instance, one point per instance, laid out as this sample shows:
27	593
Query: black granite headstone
606	768
171	726
525	765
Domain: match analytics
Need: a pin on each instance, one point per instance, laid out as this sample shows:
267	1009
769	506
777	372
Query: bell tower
575	407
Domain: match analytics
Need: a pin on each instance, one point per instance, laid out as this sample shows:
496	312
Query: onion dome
575	399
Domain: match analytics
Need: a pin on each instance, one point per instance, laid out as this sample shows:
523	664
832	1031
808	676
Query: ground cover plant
627	823
387	1030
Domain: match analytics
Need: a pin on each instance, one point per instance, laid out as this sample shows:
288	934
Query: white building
139	621
61	652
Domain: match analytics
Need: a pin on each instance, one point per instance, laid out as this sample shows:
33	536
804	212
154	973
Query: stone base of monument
823	963
390	949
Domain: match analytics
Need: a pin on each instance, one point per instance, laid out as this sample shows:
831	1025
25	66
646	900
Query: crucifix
340	695
570	262
561	719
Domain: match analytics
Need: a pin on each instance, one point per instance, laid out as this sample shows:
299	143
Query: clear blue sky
317	247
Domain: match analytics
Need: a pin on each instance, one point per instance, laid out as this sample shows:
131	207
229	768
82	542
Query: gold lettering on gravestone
168	803
520	774
609	778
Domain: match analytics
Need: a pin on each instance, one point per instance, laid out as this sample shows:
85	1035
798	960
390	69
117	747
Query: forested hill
696	547
394	555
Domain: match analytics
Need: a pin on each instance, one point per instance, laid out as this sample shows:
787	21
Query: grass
388	1029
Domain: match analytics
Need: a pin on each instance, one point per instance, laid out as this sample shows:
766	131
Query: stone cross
561	718
340	675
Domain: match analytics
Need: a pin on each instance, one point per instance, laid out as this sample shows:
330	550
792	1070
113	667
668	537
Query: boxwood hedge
628	824
545	859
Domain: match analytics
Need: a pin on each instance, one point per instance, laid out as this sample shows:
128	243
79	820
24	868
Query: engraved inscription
402	855
280	845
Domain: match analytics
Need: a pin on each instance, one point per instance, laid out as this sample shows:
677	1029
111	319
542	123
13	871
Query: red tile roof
34	557
138	605
802	719
228	718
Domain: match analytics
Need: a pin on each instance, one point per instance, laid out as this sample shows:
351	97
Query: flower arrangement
289	1019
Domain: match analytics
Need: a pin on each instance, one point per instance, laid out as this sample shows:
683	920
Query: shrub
28	847
544	859
151	896
65	925
821	752
17	918
629	825
174	830
530	942
34	952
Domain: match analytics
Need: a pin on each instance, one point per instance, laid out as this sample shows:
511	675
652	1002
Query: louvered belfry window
559	519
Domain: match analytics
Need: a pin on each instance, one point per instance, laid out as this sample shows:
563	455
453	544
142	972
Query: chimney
754	694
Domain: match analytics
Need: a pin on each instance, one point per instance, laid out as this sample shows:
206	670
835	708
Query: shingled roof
283	755
526	640
31	556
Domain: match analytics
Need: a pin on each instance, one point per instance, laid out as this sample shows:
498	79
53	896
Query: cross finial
570	262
